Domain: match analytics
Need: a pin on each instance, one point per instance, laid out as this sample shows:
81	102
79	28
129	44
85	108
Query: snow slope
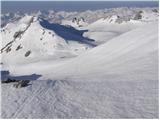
118	55
102	30
130	50
116	79
81	99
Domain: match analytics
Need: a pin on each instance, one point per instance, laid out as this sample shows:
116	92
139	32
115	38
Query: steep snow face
12	30
33	39
27	41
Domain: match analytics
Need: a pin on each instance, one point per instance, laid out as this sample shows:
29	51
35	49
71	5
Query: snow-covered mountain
41	40
88	16
92	64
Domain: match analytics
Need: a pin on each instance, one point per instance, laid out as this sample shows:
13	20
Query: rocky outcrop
138	15
27	53
17	34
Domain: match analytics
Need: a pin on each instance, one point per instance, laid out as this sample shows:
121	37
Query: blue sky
79	0
27	6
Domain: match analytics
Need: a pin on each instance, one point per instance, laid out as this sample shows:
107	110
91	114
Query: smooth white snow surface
102	69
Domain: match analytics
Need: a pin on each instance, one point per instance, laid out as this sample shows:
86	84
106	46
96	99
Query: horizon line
79	0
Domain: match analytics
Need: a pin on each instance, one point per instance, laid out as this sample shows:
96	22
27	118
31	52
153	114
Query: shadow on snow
68	33
6	75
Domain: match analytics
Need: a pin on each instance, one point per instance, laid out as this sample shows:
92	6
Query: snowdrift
130	56
133	56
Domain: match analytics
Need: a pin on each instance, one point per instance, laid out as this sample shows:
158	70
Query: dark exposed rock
8	49
9	80
21	83
74	19
27	53
19	47
138	15
7	46
17	34
18	84
82	19
31	20
43	32
77	20
155	10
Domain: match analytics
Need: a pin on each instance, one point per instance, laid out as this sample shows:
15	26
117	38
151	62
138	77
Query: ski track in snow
120	99
27	101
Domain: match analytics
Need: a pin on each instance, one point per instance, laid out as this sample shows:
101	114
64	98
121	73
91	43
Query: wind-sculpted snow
67	99
96	67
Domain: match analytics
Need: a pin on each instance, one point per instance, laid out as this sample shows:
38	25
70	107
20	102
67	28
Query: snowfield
82	67
82	99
